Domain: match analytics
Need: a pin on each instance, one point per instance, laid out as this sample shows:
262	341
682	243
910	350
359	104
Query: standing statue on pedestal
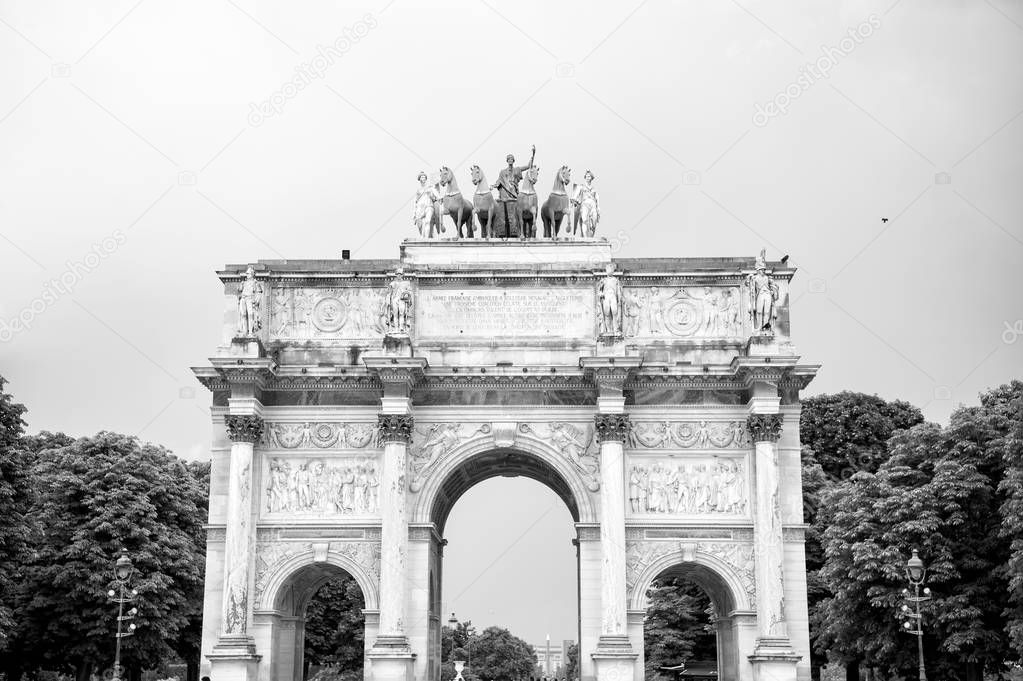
250	295
609	293
399	304
763	296
586	205
424	215
507	187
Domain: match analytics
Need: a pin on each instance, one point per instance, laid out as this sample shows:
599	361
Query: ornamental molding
764	427
738	556
480	380
394	428
702	434
612	427
318	435
247	428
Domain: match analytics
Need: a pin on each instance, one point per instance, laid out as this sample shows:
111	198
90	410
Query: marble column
234	656
614	658
774	656
391	656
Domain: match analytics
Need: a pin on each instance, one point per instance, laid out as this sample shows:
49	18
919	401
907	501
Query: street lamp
122	573
453	623
915	574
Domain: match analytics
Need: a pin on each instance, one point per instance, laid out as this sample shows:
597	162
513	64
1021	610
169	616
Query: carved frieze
319	435
692	312
689	486
738	556
575	442
311	487
689	435
432	442
327	313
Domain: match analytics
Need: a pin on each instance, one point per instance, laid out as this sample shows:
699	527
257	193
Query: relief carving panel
689	435
318	435
298	487
738	556
327	313
688	486
694	312
271	555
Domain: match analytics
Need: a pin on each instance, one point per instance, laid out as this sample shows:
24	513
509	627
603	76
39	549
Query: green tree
572	663
499	656
677	626
456	644
335	625
841	433
15	501
188	645
97	495
1006	404
938	491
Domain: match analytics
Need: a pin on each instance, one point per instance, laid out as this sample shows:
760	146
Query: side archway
274	593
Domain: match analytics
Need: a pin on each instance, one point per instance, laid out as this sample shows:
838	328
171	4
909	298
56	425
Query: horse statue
527	203
557	207
455	206
483	204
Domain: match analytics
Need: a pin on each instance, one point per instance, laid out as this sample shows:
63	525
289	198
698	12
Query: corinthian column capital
764	427
244	428
394	428
612	427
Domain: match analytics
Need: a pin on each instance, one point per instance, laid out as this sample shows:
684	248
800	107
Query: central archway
473	463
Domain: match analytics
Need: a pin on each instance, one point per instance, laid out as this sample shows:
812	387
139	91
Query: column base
391	659
614	659
234	658
774	659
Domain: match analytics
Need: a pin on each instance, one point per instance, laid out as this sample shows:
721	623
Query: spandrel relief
689	312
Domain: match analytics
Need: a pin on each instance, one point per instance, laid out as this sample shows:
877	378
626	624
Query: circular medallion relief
330	314
683	317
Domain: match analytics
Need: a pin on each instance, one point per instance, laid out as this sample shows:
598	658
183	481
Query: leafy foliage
498	655
941	491
15	500
97	495
572	663
334	628
1006	408
677	626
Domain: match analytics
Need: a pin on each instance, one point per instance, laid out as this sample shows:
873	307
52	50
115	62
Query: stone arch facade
570	479
284	571
730	587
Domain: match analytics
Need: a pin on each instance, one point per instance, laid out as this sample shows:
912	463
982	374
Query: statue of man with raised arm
507	187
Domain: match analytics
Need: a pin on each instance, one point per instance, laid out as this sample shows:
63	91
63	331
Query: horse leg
490	221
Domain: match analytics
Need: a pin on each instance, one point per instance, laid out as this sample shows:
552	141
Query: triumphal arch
354	402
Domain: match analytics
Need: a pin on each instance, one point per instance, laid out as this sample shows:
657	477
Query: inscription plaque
518	313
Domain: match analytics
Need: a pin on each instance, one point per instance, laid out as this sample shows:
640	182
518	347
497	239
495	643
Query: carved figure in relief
728	313
610	295
633	311
250	292
655	311
315	487
399	303
763	295
687	488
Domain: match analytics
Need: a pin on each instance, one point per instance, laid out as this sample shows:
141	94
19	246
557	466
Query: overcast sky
137	130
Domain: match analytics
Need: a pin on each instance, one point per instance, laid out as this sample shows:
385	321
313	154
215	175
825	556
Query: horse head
446	176
477	175
563	177
532	174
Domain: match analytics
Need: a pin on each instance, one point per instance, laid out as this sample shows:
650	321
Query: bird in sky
884	219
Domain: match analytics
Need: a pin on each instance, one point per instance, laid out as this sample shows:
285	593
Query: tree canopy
677	626
335	625
15	501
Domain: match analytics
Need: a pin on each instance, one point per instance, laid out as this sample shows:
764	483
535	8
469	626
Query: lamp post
453	623
915	574
122	573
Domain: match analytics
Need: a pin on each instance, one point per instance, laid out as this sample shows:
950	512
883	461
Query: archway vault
307	573
474	462
718	578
